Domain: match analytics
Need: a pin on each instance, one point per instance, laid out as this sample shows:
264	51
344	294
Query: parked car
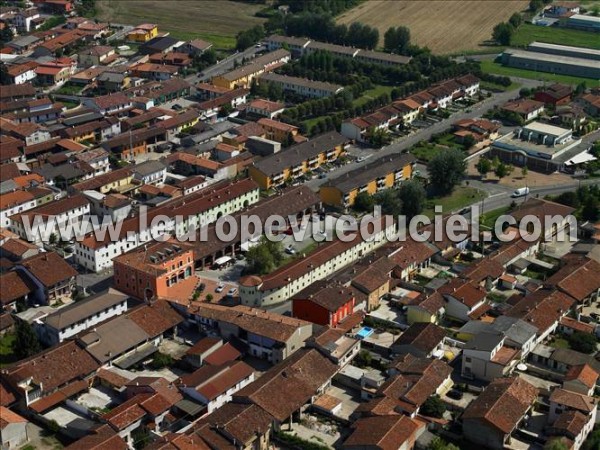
361	159
220	287
231	292
290	250
201	287
455	394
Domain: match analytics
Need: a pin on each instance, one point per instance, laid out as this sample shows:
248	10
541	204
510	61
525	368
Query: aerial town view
299	224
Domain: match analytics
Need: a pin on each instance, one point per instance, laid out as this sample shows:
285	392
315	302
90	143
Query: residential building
463	299
298	159
278	131
491	418
131	337
383	433
581	379
50	276
148	272
81	316
13	429
97	55
577	278
413	380
143	32
109	104
426	308
481	130
383	173
214	386
323	303
57	217
301	86
423	340
285	389
556	94
527	109
328	258
265	108
198	209
243	76
269	336
156	72
22	73
487	357
17	289
336	345
563	402
62	368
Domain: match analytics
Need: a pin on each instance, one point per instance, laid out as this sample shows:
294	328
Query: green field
527	33
499	69
460	197
6	353
371	94
217	21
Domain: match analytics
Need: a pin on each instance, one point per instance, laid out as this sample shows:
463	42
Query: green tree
483	166
161	360
264	257
502	33
26	343
447	169
516	20
591	209
433	407
524	171
413	195
555	444
6	35
568	198
593	440
583	342
437	443
524	92
390	202
501	170
53	239
468	141
209	297
535	5
364	202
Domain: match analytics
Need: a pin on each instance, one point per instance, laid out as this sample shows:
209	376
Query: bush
160	361
583	342
433	407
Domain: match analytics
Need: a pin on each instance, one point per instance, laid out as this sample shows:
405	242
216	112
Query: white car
231	292
220	287
290	250
361	159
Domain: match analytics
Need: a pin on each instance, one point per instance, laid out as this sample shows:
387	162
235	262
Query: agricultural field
445	26
217	21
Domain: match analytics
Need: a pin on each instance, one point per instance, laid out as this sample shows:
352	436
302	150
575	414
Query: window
467	359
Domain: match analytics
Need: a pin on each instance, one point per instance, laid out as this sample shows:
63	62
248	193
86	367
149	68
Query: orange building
148	271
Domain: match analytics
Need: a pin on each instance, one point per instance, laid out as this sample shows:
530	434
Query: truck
521	192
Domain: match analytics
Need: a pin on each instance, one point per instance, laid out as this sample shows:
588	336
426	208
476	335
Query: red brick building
324	303
555	94
149	271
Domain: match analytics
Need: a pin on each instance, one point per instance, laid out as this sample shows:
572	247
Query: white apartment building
290	279
24	202
302	86
80	316
196	210
63	218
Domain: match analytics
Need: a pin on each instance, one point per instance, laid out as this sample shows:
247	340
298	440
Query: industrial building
552	63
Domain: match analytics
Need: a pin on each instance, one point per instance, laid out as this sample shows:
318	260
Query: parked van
521	192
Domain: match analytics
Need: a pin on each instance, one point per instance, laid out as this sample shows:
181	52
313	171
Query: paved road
224	65
405	143
121	33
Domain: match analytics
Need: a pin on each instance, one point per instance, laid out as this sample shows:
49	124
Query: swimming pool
364	332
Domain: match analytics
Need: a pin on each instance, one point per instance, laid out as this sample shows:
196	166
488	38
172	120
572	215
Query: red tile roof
502	404
583	373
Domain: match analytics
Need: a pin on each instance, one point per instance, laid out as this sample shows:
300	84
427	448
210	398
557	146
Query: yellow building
143	33
425	309
243	76
278	131
279	168
384	173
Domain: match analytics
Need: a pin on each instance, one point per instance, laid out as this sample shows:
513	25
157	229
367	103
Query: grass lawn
498	87
371	94
68	89
489	219
461	196
499	69
426	152
527	33
6	354
221	42
559	342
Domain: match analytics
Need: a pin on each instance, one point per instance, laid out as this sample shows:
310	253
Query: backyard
6	353
458	199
